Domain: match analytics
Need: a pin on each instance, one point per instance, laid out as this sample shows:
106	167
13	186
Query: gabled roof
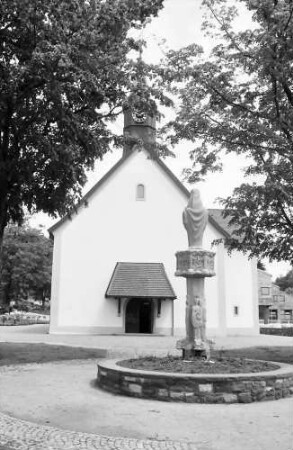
264	272
140	280
116	166
215	215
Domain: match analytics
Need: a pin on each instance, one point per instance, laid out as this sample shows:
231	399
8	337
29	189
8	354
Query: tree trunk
6	291
1	259
43	299
4	175
3	222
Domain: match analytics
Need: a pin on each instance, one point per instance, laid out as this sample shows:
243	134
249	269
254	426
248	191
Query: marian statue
195	218
198	319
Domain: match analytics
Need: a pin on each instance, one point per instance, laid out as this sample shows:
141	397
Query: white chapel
114	259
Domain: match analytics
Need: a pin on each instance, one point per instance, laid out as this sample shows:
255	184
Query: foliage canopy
26	265
64	73
285	282
240	100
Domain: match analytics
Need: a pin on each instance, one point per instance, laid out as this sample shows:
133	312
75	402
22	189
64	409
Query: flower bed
216	365
23	318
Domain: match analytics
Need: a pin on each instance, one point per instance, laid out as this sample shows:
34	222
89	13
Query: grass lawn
278	354
15	353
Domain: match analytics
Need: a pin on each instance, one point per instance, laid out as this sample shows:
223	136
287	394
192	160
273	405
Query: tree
285	282
64	74
27	262
240	100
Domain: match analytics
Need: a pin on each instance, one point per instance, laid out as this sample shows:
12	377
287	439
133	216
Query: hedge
286	331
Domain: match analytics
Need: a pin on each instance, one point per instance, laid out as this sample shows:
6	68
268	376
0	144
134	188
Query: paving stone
177	395
208	387
134	388
230	398
163	393
18	434
245	397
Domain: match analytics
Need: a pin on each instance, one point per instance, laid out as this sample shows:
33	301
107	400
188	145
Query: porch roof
140	280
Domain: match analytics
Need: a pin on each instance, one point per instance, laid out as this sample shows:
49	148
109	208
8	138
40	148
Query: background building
275	306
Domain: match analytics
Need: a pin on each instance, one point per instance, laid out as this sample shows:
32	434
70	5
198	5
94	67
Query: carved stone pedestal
195	265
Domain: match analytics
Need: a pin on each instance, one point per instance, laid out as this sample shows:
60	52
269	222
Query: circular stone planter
196	388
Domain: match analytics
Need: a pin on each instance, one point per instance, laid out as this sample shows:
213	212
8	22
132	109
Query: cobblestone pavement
18	434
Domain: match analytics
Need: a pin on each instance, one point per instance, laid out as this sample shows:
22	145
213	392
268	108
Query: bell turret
138	126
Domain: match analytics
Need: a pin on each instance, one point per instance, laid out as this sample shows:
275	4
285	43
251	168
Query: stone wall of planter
197	388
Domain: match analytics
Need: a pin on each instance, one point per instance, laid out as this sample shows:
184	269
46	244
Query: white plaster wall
241	291
116	227
165	320
212	287
54	303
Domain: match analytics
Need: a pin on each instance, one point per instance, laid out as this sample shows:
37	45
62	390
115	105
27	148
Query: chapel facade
114	260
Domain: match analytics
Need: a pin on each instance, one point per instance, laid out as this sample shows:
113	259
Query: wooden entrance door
139	316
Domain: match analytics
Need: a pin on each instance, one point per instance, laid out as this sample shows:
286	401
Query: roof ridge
120	162
140	262
107	175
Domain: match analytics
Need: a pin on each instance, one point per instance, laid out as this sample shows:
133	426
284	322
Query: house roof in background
220	222
140	280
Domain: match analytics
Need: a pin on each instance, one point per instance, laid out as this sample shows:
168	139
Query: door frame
151	300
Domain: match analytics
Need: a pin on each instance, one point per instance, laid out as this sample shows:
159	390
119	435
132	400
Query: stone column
195	264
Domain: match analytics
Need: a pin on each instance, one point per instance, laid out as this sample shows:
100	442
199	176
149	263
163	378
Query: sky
178	25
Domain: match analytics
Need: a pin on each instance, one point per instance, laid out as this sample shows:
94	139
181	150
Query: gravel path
57	406
64	396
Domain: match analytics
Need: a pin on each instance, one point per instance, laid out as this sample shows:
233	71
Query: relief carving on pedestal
195	261
198	320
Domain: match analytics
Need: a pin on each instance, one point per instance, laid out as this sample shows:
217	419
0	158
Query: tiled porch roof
140	280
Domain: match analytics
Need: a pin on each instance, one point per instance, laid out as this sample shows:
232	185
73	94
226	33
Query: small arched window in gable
140	192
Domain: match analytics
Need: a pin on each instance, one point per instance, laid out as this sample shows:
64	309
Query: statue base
192	350
190	355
